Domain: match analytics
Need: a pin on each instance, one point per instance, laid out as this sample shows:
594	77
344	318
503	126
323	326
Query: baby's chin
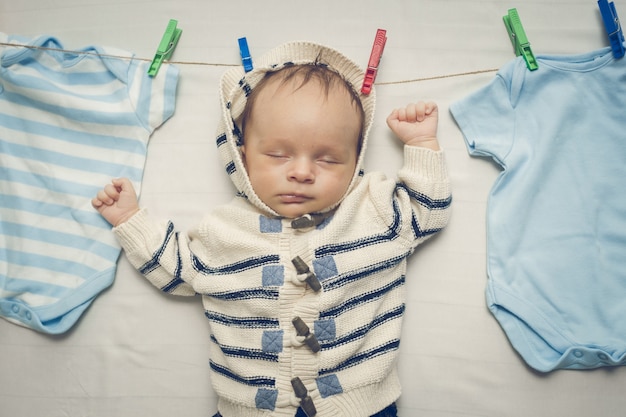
295	211
291	214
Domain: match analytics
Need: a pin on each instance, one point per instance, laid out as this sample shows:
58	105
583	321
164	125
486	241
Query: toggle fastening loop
303	269
309	338
306	402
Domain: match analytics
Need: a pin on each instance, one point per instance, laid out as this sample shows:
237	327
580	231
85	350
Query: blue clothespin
166	47
613	27
518	38
246	60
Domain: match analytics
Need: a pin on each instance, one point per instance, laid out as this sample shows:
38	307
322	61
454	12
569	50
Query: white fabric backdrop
137	352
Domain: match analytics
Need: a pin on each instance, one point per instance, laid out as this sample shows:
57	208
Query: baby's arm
416	124
116	202
425	190
141	236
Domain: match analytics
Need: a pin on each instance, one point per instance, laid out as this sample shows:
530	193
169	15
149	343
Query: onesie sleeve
152	98
487	118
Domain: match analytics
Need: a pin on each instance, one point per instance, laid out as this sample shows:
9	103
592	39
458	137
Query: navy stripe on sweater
349	277
239	352
246	294
390	234
153	263
237	267
172	285
221	140
234	268
242	322
394	229
418	232
362	331
255	381
362	299
177	280
424	200
230	168
355	360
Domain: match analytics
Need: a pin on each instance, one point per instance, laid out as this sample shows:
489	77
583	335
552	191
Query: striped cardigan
276	343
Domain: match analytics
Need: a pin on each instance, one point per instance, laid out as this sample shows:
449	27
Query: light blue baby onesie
556	219
69	123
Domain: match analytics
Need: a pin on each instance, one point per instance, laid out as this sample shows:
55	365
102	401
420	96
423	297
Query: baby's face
301	146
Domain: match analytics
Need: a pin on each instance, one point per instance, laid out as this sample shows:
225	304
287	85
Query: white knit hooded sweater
239	259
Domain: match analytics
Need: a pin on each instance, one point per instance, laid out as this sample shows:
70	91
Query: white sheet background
137	352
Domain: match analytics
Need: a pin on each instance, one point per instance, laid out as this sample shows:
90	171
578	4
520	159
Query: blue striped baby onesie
69	122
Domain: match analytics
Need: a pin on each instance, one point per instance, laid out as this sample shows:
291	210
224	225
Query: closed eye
276	155
330	160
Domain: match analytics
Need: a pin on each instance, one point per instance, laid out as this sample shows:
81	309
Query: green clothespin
166	47
518	38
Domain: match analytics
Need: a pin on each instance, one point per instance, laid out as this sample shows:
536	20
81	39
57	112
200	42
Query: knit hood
236	85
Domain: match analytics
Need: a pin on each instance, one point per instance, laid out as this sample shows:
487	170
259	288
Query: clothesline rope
214	64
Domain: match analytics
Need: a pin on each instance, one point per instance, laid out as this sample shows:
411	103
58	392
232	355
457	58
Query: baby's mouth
294	198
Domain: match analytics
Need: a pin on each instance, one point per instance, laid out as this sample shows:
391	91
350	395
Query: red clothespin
372	65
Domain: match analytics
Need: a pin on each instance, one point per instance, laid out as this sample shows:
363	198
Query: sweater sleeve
157	251
424	189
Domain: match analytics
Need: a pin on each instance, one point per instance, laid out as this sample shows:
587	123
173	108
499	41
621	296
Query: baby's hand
117	201
416	124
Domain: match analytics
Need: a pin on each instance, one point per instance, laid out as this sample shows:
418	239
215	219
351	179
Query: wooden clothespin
166	47
518	38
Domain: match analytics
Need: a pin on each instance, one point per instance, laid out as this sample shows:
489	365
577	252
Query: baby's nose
302	170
